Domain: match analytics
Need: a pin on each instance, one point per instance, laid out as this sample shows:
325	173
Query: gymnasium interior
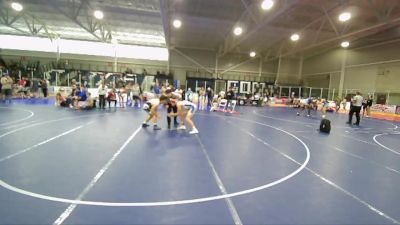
275	84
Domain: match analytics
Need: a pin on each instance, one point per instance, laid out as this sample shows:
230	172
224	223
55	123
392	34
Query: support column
260	67
115	59
58	49
387	98
169	62
279	70
342	73
300	68
216	65
68	79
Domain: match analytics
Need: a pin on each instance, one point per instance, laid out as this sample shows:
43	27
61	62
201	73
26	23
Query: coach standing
355	108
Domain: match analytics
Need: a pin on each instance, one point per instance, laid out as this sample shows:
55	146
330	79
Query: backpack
325	126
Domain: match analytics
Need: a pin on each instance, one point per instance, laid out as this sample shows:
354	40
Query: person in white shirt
135	92
102	95
355	108
151	107
186	111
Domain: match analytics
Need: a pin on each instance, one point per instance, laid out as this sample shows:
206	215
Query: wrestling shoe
155	127
194	131
145	125
182	127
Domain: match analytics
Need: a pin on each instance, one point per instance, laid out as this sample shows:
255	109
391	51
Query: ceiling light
177	23
345	44
267	4
98	14
16	6
238	31
252	54
345	16
294	37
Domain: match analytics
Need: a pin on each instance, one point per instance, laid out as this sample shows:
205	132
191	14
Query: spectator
337	103
35	87
122	96
27	88
189	95
369	105
6	83
202	98
43	84
112	97
102	95
61	100
88	103
230	95
136	92
210	96
21	86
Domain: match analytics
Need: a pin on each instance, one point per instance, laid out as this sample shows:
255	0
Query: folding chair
222	104
232	105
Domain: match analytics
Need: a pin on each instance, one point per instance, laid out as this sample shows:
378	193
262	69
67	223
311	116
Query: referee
355	108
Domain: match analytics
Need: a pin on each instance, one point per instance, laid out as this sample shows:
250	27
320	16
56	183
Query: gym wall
369	68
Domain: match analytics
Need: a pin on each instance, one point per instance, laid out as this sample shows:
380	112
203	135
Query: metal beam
229	46
237	65
253	17
314	21
373	7
165	21
33	24
100	26
356	34
229	38
389	10
330	21
192	60
319	31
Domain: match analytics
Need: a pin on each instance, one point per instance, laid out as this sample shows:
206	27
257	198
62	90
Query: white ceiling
208	24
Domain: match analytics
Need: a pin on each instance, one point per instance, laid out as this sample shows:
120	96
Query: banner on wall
384	108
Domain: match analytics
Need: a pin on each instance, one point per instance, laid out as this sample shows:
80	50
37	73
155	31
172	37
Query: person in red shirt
112	97
21	86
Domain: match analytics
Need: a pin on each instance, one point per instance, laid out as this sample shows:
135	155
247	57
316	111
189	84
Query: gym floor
261	166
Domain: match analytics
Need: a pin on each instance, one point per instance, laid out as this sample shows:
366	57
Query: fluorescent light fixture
238	31
87	48
252	54
98	14
295	37
177	23
345	16
83	48
16	6
26	43
345	44
267	4
142	52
